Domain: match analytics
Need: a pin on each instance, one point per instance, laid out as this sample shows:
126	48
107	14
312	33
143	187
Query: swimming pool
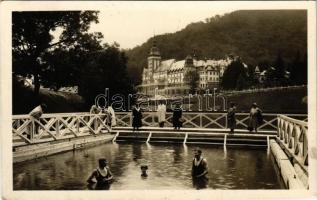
169	168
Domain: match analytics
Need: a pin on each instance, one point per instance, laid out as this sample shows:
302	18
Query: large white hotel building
166	77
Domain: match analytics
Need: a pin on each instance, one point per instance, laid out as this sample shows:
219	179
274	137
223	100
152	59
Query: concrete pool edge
292	175
29	152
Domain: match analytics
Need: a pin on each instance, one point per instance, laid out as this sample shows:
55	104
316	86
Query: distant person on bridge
102	175
95	110
256	118
112	116
161	113
177	117
36	113
137	117
231	117
199	170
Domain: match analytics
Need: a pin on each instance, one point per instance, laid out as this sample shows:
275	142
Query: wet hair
102	161
144	167
198	150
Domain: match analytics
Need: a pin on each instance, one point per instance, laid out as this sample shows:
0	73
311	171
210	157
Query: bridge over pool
285	135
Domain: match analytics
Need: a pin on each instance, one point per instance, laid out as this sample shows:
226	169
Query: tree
231	75
33	37
105	69
192	78
279	71
298	70
242	82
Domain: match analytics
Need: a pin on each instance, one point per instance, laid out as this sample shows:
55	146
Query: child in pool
143	171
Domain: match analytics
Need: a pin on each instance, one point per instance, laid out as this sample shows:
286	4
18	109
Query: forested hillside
258	37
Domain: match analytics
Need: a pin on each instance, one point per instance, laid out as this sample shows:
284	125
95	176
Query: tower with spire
154	58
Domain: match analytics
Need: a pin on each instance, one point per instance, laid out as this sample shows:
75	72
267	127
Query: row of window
210	79
210	73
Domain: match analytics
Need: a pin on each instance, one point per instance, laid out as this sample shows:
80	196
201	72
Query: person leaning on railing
111	117
36	113
256	118
95	110
161	113
231	117
177	117
137	117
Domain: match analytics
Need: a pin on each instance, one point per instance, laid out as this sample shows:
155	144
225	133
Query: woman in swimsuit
102	175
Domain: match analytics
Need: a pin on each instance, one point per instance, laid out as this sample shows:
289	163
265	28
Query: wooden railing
204	120
292	134
50	127
66	125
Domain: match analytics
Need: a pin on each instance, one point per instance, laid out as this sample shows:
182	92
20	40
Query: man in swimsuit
199	170
103	176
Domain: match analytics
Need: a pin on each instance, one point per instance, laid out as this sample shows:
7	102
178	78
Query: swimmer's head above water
102	162
144	168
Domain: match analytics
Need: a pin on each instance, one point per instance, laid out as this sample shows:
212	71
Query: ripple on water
169	168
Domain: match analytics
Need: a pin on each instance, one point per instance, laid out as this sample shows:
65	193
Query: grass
23	100
289	100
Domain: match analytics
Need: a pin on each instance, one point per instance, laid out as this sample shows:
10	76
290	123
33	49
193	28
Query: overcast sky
133	23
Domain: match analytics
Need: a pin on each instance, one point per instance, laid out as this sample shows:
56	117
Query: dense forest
258	37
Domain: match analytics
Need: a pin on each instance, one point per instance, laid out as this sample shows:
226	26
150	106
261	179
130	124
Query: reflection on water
169	168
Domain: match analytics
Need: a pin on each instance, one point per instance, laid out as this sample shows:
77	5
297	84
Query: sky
133	23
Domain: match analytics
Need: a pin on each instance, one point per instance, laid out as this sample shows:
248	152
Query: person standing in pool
102	175
199	170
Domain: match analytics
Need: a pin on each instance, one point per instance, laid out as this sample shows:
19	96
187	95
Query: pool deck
48	146
193	136
33	151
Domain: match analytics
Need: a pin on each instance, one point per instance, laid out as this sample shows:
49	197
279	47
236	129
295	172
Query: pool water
169	168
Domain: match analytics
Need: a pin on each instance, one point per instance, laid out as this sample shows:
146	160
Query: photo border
6	7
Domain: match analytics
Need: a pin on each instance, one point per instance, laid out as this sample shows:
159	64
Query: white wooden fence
50	127
292	134
56	126
205	120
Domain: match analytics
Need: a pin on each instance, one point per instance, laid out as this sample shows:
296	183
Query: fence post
33	127
77	124
153	118
57	127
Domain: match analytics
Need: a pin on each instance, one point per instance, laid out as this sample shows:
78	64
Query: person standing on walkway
199	170
161	113
255	118
36	114
112	116
231	117
95	110
137	117
177	117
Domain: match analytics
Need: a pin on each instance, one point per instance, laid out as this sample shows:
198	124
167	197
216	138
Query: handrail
50	127
205	120
56	126
296	121
292	134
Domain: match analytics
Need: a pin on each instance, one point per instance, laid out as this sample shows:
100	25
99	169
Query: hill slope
256	36
23	100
